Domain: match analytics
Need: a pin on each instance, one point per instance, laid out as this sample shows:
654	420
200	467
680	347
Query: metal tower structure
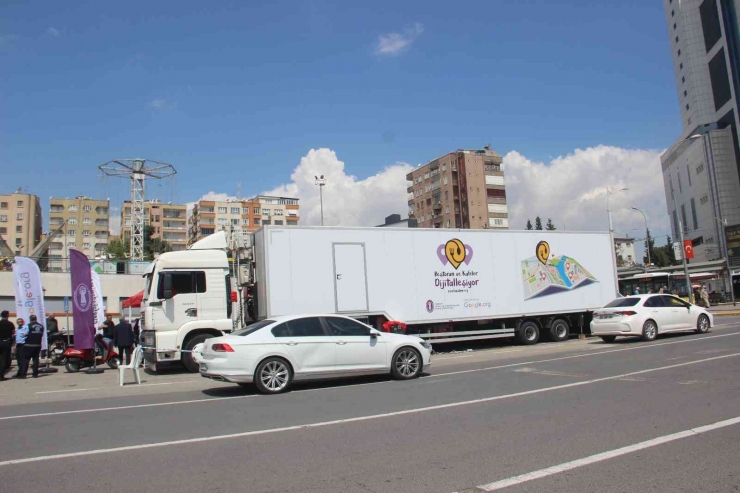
137	170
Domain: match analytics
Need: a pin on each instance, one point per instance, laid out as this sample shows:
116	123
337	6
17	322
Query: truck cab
187	299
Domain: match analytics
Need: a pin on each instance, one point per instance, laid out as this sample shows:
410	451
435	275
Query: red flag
688	249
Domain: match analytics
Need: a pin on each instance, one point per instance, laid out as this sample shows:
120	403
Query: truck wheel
560	330
187	358
273	376
529	333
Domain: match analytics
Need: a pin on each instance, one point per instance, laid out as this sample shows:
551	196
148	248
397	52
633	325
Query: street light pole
727	258
608	210
321	181
647	237
683	255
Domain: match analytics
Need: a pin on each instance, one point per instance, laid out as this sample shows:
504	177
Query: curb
726	314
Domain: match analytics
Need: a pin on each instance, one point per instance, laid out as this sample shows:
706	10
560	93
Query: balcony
56	208
437	206
173	215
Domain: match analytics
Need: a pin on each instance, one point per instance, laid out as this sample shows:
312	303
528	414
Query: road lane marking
561	358
351	420
424	379
548	372
66	390
592	459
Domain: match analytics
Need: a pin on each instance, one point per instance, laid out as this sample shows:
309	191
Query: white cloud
395	43
53	32
348	201
572	189
162	105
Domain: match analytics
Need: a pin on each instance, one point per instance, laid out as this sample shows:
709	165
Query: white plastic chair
136	360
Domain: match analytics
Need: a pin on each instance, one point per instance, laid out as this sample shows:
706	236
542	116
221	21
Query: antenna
137	170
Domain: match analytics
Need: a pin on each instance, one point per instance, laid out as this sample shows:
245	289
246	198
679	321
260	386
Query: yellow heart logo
455	252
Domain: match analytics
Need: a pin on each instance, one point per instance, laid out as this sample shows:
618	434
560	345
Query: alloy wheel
274	375
407	363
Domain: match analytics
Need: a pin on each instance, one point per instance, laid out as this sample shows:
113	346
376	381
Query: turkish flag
688	249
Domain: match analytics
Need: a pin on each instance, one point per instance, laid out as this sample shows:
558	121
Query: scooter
57	346
83	358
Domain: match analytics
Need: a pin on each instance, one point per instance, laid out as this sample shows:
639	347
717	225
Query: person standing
637	290
7	329
20	341
123	338
32	348
108	328
705	296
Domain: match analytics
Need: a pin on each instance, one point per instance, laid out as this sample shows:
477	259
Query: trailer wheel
560	330
529	333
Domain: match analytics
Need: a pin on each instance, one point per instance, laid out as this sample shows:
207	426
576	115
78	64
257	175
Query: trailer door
350	277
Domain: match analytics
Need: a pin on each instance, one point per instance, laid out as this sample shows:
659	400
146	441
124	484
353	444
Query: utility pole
647	237
683	250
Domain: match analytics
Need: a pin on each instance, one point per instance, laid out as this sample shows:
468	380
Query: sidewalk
725	310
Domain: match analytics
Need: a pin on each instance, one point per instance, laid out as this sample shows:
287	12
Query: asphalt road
579	416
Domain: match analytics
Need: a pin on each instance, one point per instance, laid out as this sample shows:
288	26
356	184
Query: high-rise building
462	189
86	226
20	222
244	215
168	222
701	171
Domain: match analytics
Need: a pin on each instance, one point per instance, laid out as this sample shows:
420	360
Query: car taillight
222	348
626	314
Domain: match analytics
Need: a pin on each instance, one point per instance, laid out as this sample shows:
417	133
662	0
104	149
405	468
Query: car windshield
629	301
252	328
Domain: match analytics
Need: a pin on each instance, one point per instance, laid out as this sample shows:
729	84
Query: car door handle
341	343
292	343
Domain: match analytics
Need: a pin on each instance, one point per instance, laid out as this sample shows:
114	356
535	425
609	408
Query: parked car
273	353
648	315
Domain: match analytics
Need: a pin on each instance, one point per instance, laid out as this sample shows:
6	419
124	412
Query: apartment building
245	216
463	189
86	227
701	170
20	222
168	222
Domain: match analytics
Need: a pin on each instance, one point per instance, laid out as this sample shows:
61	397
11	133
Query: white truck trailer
446	285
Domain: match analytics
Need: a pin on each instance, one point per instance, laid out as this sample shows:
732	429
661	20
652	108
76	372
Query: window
235	210
86	220
281	330
675	223
720	80
496	193
654	302
256	220
245	210
306	327
672	301
71	232
685	93
680	66
676	39
87	208
683	80
498	222
700	168
3	231
222	210
86	232
72	221
688	173
19	203
620	302
674	26
235	222
704	199
343	327
183	283
680	188
71	244
3	205
18	242
72	208
245	222
3	218
672	12
693	214
687	107
278	212
256	210
86	245
683	217
278	222
710	23
19	216
679	52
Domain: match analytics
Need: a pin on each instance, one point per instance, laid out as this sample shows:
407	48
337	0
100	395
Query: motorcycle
57	345
76	359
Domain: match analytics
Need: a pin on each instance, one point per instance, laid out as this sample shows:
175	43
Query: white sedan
647	315
273	353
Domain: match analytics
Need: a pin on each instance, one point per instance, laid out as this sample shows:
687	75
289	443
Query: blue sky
238	91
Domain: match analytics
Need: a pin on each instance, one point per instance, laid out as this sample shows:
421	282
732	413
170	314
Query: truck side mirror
168	286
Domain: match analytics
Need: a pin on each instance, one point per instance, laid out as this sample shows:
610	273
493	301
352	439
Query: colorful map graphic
554	276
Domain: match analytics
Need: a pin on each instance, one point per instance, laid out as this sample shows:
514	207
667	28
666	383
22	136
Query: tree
620	261
670	253
529	225
550	226
650	247
117	248
153	245
538	223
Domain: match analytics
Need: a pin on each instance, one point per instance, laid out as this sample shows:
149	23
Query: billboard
732	235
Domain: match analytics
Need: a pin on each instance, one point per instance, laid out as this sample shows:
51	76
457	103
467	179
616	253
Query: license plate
605	316
203	367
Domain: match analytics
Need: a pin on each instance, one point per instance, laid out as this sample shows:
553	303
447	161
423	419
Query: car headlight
426	345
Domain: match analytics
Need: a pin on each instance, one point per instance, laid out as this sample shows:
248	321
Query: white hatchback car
646	315
273	353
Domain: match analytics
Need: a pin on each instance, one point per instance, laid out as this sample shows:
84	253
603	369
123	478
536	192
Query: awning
134	301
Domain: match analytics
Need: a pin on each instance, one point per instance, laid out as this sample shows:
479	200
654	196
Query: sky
252	97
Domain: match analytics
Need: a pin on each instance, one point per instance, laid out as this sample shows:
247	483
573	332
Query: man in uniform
6	342
20	341
32	348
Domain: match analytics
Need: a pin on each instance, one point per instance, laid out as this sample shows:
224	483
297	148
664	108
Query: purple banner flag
82	298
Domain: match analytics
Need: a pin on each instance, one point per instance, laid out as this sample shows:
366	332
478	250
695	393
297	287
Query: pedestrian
137	331
661	290
7	329
123	338
32	348
705	296
108	327
20	341
637	290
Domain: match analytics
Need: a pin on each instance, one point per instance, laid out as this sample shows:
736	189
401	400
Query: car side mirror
168	286
373	335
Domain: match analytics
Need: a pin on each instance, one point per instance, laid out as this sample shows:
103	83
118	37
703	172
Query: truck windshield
253	328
